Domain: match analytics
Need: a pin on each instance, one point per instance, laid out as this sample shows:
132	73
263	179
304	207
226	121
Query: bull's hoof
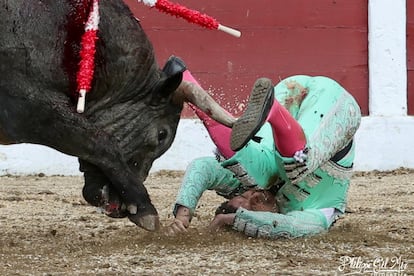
148	222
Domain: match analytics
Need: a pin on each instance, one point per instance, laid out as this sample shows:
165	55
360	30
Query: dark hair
225	208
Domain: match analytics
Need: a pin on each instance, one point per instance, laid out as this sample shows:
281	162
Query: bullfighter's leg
287	132
326	119
48	118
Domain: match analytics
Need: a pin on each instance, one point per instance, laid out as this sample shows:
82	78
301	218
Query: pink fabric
287	133
187	76
220	134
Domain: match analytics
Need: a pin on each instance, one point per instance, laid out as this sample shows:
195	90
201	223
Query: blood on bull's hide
129	119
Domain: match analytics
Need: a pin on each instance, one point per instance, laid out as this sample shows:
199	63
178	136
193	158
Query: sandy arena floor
48	229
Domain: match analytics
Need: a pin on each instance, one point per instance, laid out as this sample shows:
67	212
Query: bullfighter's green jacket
319	179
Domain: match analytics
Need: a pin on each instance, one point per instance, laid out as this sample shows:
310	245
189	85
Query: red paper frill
87	60
188	14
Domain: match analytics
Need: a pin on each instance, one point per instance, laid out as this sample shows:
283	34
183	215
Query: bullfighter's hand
220	221
181	221
176	227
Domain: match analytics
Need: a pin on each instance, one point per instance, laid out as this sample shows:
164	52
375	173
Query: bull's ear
173	66
165	87
171	77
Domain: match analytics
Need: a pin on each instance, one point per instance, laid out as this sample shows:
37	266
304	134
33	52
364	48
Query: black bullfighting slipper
259	105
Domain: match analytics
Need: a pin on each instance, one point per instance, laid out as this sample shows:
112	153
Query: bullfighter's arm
274	225
203	174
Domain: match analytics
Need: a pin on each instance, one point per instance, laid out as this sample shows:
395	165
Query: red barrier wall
279	38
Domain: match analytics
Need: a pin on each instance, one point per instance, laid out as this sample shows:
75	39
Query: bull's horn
194	94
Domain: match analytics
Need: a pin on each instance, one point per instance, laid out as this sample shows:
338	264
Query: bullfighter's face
255	200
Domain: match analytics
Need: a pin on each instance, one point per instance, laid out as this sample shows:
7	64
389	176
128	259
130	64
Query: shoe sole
258	107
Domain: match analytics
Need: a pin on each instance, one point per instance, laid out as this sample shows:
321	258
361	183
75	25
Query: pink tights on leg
220	134
287	132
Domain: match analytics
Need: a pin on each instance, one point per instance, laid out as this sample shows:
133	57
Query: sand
48	229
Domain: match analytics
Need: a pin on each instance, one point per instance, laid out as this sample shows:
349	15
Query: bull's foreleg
48	118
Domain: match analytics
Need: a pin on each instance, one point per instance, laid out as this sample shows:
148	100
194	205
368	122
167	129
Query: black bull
129	119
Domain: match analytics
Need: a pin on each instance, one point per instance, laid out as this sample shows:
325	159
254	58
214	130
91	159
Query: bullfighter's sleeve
274	225
203	174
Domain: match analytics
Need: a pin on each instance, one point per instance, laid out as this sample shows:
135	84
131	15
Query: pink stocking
287	133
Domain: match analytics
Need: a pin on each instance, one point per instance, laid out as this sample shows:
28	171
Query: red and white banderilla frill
191	16
87	56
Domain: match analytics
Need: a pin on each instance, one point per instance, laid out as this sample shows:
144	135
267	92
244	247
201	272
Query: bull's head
130	107
130	119
145	128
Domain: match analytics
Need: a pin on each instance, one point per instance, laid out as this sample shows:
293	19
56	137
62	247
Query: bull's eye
162	135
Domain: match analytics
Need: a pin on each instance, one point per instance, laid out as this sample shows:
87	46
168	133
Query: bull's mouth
113	207
99	192
101	195
111	204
